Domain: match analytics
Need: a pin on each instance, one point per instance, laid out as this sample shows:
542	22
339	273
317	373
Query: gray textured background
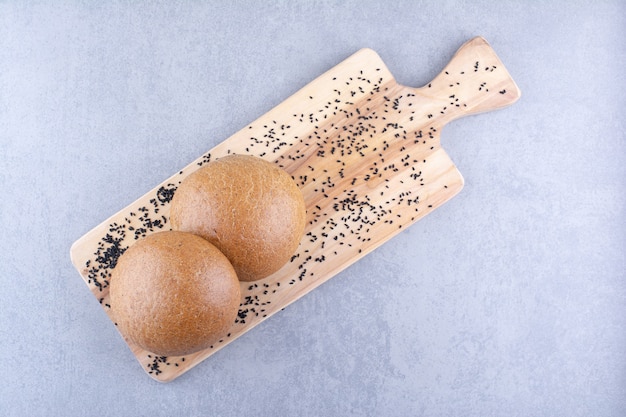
510	300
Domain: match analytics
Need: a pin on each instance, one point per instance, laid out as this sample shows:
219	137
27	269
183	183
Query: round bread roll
250	209
174	293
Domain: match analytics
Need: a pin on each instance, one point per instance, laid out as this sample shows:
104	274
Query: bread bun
174	293
250	209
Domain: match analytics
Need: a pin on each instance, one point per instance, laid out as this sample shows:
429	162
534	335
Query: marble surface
510	300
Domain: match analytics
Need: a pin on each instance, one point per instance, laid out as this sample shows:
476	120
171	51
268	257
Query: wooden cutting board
365	152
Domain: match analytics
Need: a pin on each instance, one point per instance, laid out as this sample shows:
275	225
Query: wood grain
365	152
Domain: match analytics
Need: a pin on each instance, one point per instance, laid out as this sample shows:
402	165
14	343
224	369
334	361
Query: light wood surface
365	152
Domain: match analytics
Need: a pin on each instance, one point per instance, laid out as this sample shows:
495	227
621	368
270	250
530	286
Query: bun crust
174	293
248	208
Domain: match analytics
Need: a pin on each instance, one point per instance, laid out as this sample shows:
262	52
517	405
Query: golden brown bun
250	209
174	293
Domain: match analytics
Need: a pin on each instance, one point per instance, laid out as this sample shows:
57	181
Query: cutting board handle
474	81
